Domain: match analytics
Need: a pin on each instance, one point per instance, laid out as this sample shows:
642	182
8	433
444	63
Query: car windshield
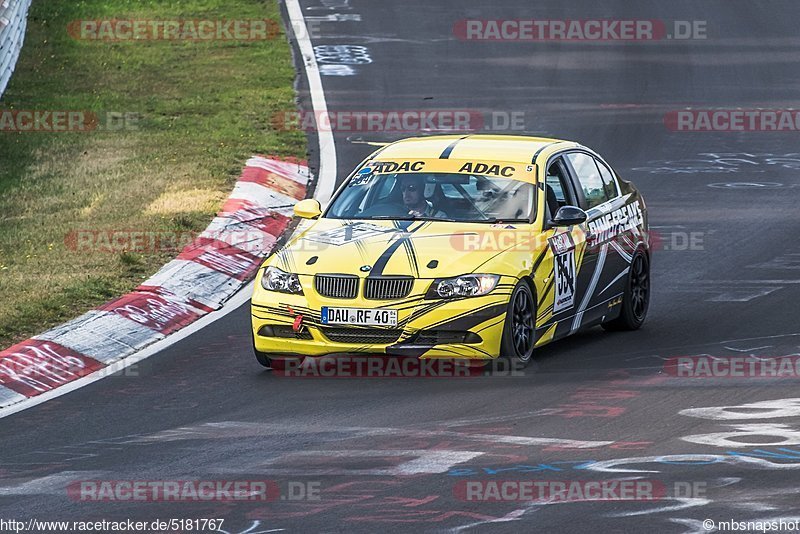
434	196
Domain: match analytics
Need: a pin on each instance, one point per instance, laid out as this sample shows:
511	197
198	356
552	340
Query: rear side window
608	180
589	177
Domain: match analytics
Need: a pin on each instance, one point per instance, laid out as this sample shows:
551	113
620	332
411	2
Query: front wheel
519	328
636	298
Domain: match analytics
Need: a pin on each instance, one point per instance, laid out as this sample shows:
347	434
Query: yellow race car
479	246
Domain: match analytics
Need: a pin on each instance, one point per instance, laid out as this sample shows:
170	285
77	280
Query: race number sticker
565	281
363	177
564	270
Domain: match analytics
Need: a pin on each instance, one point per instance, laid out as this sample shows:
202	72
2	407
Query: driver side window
557	189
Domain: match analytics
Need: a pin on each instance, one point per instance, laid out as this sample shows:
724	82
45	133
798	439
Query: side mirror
569	216
308	209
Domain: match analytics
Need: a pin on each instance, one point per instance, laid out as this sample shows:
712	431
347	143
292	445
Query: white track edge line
327	149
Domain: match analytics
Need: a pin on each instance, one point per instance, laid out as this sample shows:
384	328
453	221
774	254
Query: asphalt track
388	454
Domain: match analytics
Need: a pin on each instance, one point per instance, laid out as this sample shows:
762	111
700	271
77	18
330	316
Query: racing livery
478	246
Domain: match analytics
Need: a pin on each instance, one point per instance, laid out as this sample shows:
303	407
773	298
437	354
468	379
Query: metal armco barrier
13	21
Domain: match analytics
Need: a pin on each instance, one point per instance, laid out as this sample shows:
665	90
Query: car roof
510	148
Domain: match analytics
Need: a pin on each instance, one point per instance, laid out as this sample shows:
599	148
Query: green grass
203	108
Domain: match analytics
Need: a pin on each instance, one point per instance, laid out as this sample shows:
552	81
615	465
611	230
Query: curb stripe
34	367
274	181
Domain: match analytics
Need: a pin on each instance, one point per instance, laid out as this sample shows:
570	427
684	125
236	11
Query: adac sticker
393	166
485	168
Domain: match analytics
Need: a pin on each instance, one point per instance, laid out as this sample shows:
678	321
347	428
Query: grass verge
195	112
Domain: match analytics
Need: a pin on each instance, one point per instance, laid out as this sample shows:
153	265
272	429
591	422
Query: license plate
359	316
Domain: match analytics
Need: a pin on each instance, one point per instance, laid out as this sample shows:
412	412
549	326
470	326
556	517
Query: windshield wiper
443	219
388	218
408	218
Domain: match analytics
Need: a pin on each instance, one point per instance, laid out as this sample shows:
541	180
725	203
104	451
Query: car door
600	279
564	255
620	246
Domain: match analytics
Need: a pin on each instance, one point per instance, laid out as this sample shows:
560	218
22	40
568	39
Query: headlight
468	285
276	280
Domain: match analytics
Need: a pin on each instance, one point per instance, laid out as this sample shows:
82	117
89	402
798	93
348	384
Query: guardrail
13	21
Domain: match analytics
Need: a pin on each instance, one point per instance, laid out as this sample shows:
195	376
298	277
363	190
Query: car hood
423	249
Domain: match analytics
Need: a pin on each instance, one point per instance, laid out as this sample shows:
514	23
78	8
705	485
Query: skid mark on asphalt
731	290
416	462
53	484
780	345
230	429
788	261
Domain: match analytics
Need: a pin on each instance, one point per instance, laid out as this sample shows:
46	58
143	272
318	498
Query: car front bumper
427	328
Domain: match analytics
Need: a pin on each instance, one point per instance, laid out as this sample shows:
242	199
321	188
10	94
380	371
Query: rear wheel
636	298
519	331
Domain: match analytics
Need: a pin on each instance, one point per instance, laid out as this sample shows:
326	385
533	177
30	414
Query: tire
277	364
263	359
636	298
519	330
